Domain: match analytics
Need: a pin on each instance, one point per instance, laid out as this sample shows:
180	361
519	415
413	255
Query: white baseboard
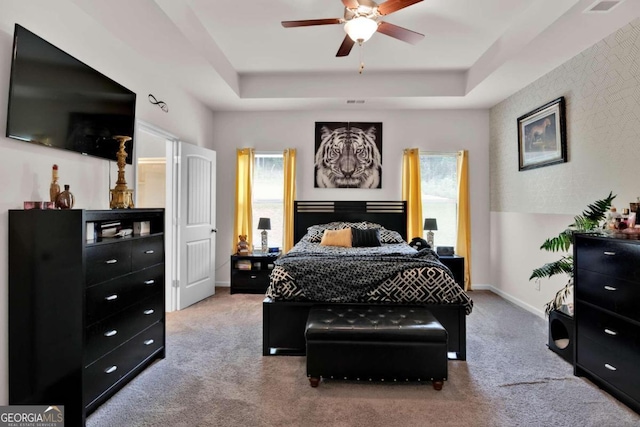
223	284
510	298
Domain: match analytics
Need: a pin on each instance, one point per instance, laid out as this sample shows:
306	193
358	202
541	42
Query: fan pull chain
361	57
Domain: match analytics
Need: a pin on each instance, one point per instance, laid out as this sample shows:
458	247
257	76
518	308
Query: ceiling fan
361	20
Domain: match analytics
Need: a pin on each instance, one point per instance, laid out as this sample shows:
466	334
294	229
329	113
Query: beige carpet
215	375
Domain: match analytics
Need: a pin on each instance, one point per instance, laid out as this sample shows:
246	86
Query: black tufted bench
374	343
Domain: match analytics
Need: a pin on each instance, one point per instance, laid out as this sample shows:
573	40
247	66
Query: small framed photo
542	138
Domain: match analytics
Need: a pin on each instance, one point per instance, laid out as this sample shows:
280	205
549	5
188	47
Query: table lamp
264	224
430	224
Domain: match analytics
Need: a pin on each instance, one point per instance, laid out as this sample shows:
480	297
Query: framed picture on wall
542	139
348	155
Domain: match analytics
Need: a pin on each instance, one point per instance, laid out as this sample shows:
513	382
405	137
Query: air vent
355	101
602	6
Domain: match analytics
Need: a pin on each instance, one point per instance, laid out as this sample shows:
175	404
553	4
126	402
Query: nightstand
456	265
250	273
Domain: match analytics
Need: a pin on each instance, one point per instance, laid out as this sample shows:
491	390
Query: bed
391	274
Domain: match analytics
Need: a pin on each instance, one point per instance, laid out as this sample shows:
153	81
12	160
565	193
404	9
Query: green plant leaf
589	220
562	266
598	210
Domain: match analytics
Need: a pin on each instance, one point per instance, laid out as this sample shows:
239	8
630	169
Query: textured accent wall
602	90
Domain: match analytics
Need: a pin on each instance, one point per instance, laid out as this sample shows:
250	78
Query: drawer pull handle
610	332
610	288
610	367
112	297
111	261
149	282
150	251
148	312
111	369
149	342
110	333
609	253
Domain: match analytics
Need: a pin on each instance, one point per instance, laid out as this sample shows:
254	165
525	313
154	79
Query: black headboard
392	215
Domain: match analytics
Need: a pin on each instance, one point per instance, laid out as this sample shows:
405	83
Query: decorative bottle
65	200
54	189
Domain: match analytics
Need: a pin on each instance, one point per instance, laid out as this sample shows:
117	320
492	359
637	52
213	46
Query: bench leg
437	385
314	381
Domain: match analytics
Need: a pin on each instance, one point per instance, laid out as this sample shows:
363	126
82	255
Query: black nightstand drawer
110	297
105	372
104	336
105	262
608	292
609	256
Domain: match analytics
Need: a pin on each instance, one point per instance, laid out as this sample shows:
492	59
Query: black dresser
86	314
607	313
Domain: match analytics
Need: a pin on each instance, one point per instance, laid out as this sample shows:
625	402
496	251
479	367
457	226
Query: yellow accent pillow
337	238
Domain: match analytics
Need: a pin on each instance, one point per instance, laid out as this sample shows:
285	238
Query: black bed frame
284	322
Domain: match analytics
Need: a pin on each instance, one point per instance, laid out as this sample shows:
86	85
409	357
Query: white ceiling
236	56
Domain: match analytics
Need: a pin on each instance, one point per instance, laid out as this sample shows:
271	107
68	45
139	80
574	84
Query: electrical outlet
537	285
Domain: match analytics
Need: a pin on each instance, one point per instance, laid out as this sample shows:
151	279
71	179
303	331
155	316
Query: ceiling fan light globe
360	29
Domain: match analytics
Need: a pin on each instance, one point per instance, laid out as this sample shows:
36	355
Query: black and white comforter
391	273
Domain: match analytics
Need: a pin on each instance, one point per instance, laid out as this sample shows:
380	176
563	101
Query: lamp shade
264	224
361	28
430	224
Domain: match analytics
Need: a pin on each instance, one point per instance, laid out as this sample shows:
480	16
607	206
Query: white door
196	224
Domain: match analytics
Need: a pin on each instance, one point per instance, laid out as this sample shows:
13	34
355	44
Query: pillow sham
314	232
365	238
337	238
390	236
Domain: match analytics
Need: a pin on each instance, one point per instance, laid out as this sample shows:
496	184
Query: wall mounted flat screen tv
57	101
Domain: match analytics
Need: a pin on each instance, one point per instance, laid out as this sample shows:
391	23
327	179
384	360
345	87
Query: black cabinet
456	265
250	274
86	313
607	313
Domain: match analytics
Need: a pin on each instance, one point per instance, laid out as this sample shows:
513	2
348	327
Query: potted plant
588	221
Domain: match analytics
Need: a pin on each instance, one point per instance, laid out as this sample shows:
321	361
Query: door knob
214	230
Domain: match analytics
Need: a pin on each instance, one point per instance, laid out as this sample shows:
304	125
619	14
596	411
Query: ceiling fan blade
399	33
391	6
350	4
345	47
309	22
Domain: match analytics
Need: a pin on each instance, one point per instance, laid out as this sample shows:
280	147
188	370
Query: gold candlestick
121	196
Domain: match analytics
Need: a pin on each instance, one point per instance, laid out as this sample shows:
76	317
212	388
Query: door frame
170	218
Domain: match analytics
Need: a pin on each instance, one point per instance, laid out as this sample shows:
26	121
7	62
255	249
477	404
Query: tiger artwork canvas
348	155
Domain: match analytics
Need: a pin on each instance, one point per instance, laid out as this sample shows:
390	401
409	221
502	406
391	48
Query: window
268	196
439	183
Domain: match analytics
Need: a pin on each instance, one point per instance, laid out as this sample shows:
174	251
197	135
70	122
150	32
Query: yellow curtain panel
243	222
411	191
463	245
289	197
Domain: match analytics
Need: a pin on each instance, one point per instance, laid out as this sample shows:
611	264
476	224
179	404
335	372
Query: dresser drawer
611	332
147	252
616	369
609	292
608	256
104	336
105	262
104	373
107	298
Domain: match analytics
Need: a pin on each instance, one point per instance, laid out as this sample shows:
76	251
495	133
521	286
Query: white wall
427	130
25	169
601	87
